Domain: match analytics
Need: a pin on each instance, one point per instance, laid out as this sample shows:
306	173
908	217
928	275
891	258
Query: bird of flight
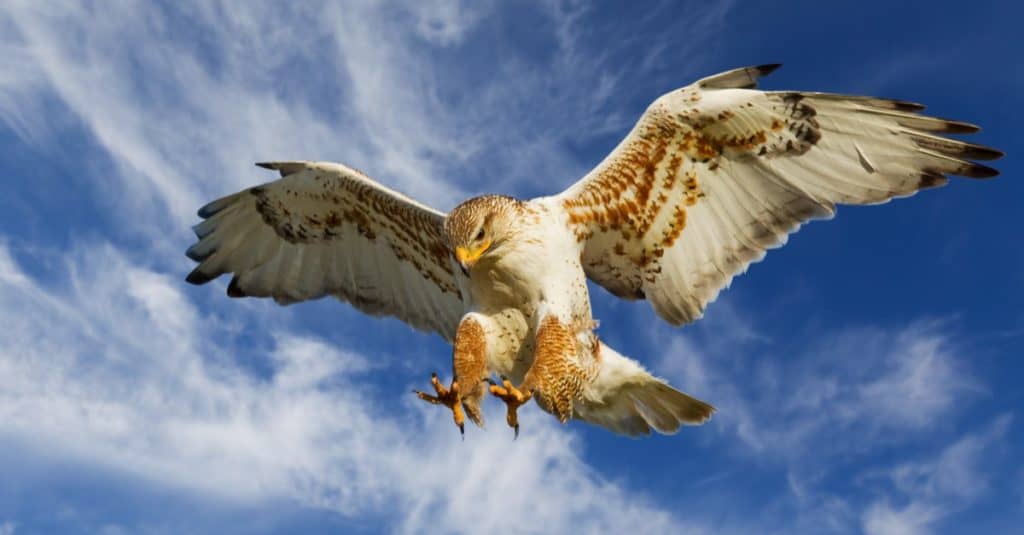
712	175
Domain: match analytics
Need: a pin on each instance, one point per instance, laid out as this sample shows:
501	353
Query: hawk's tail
626	399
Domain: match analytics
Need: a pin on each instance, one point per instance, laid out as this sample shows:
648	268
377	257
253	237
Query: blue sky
867	374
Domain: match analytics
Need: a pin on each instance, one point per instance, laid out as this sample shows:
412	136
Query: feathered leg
564	363
469	364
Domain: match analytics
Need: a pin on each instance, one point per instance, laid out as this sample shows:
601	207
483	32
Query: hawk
710	177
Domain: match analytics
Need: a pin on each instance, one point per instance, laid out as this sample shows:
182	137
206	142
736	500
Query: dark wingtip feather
197	277
209	209
194	254
284	168
741	78
980	152
906	105
233	289
931	179
201	231
954	147
960	127
767	68
976	170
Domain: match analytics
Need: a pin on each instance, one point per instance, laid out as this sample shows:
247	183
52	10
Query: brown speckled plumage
469	366
561	369
708	180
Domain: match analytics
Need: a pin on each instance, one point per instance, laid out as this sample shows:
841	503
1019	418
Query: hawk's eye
480	235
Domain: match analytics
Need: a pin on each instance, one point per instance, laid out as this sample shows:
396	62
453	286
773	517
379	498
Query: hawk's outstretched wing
325	229
717	172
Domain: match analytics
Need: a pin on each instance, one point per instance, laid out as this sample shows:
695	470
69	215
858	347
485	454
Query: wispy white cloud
882	519
115	367
184	123
864	380
23	88
379	86
445	22
929	490
823	414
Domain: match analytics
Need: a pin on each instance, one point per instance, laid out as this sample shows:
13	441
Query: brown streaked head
479	226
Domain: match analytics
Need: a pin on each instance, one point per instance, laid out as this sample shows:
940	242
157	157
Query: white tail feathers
626	399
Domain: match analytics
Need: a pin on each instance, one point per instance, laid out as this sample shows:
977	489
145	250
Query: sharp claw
516	432
490	381
449	397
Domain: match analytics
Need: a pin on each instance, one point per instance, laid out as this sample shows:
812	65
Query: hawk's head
479	227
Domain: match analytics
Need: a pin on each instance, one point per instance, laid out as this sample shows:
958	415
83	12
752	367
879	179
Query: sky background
867	375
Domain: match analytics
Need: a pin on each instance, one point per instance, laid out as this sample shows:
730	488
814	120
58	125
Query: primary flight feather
711	176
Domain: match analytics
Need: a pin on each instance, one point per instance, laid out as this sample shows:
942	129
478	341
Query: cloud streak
123	372
933	489
868	379
824	415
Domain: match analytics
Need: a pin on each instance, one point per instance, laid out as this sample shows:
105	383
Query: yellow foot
513	398
449	397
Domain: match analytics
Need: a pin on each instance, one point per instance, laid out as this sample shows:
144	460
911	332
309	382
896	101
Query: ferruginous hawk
711	176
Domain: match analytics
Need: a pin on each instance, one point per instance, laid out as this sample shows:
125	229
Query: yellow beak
468	257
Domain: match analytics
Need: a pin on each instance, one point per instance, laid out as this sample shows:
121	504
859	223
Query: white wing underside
715	173
324	229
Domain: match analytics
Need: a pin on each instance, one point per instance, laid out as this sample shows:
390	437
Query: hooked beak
468	257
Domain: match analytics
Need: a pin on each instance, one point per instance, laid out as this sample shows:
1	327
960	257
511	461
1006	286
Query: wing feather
324	229
716	173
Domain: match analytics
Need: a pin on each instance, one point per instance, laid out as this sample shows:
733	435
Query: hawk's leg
562	367
513	398
469	362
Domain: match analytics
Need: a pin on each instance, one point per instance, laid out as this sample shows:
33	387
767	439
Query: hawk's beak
468	257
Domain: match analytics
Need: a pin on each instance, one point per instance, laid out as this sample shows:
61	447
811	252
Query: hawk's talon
449	397
513	398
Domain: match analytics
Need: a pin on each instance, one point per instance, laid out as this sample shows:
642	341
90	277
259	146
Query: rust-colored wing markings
717	172
324	229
